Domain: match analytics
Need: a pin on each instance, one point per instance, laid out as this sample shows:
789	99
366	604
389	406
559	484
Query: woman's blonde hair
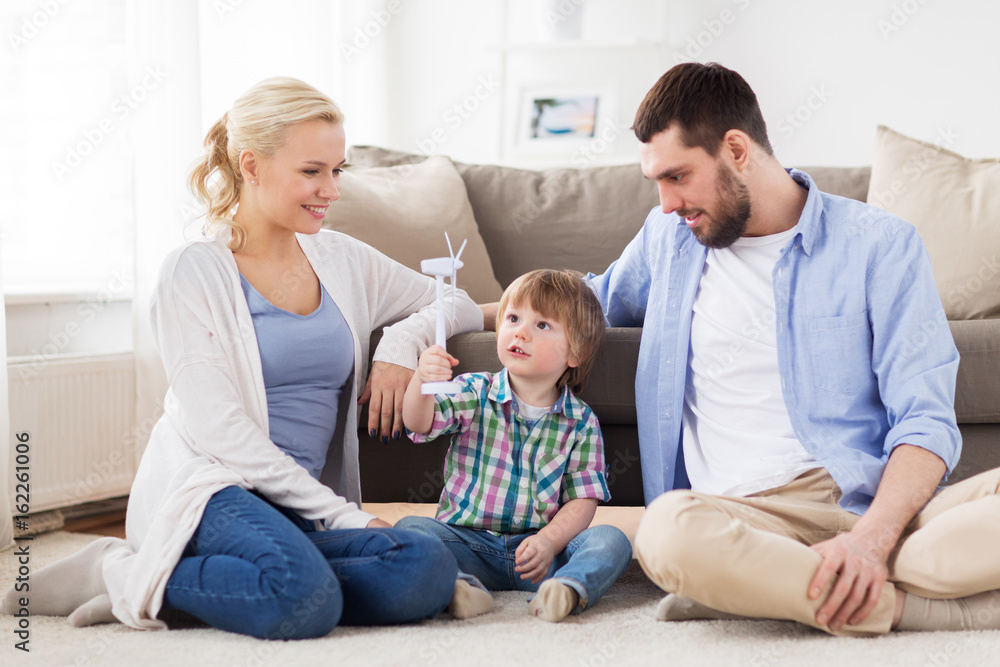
258	121
564	297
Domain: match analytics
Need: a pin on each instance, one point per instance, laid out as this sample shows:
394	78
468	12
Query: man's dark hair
705	101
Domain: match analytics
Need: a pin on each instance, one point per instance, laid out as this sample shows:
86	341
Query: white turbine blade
461	249
451	253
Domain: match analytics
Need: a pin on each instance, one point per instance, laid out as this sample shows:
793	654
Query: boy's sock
59	588
96	611
976	612
468	601
554	601
675	608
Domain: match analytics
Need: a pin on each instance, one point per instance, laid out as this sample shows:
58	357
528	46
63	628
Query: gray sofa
582	219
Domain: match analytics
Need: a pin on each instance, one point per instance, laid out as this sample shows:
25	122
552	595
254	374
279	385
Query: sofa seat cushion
977	400
405	212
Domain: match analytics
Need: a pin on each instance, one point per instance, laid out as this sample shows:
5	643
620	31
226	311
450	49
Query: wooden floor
112	524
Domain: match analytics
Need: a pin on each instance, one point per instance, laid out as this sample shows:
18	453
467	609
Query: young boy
525	469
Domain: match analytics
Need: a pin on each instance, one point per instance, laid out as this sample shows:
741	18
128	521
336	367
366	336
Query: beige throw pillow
404	212
954	203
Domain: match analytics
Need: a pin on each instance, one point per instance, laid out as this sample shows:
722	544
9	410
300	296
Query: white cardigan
214	430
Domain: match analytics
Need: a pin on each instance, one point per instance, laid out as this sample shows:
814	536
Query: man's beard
729	222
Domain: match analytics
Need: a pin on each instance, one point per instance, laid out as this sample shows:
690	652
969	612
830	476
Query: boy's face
531	347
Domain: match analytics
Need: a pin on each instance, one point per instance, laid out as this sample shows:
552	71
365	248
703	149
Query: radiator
79	412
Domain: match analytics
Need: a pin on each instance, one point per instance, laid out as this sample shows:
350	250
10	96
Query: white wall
825	73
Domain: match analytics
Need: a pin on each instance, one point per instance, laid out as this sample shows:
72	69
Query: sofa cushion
851	182
563	218
954	203
405	211
978	344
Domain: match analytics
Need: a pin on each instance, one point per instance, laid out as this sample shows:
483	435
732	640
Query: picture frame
556	120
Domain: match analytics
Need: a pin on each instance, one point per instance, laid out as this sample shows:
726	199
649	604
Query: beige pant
750	556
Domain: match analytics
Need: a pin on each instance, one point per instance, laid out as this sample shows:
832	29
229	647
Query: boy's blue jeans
590	563
258	569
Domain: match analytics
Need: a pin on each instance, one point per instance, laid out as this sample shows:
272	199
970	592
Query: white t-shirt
530	413
738	438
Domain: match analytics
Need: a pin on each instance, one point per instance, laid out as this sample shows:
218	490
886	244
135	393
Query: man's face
705	191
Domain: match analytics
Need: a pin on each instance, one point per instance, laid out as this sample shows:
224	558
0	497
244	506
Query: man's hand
378	523
858	558
385	388
858	565
534	557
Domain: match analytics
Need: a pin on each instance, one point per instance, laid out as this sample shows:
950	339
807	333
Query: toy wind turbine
439	267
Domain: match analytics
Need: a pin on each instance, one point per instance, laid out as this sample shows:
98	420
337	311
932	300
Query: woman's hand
385	389
378	523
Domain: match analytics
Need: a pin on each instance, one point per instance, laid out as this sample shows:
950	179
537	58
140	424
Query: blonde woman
245	509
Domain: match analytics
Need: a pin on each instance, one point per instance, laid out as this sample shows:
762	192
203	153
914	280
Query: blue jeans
260	570
590	563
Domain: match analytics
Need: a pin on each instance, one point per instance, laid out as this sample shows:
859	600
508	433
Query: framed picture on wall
554	120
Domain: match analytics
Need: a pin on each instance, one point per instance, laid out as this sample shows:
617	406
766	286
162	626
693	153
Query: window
66	195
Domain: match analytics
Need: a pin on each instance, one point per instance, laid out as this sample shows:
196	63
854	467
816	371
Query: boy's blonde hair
562	296
259	121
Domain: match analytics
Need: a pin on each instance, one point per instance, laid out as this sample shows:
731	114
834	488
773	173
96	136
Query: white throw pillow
954	202
404	212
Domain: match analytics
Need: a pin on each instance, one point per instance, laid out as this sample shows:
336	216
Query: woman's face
296	185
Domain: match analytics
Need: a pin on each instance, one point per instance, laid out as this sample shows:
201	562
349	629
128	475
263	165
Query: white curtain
6	448
162	38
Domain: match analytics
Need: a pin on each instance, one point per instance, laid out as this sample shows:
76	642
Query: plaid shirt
500	474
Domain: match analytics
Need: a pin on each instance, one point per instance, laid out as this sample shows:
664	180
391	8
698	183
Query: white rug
620	630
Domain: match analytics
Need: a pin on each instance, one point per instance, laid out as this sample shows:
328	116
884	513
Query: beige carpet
620	630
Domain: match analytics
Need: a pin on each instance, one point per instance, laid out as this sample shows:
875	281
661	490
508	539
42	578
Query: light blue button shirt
866	357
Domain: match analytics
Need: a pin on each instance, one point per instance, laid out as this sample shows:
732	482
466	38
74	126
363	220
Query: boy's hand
534	557
435	365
